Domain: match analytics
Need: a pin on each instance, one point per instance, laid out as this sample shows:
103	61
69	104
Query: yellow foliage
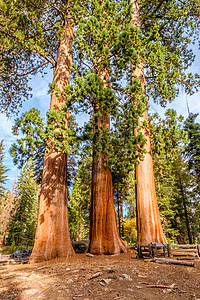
130	228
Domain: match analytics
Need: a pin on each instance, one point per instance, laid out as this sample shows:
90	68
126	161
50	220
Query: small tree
130	230
22	225
3	171
6	206
79	203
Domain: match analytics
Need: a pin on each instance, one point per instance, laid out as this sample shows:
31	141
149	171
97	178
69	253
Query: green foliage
22	225
192	151
3	171
36	136
5	208
30	33
12	247
32	144
174	181
186	214
192	155
106	51
167	139
103	51
169	28
124	195
79	202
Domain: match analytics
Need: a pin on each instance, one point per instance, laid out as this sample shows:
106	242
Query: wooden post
169	250
173	261
198	247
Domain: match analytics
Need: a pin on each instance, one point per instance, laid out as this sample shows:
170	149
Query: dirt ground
117	277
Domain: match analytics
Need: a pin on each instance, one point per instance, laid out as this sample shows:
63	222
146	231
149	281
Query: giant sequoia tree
104	48
36	34
166	29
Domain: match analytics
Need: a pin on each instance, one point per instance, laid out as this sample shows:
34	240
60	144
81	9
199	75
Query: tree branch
49	60
158	6
34	70
155	10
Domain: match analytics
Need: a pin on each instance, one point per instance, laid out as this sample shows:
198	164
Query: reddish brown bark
149	228
104	236
52	235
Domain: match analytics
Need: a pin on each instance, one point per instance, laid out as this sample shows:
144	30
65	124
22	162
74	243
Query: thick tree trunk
149	227
104	236
52	235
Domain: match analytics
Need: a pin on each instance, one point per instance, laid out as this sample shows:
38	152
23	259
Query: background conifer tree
3	170
160	66
23	222
192	151
192	156
34	35
79	203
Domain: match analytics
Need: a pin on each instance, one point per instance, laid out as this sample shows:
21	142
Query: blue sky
41	100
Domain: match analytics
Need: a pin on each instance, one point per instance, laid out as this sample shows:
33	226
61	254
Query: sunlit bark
149	228
104	236
52	235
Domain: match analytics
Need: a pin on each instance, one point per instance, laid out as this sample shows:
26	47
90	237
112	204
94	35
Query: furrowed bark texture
52	235
149	228
104	236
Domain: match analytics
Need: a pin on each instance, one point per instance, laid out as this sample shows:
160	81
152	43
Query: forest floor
117	277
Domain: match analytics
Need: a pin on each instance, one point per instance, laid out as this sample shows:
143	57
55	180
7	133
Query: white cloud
5	127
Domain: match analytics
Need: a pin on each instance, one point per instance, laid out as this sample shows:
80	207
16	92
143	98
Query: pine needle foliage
36	135
104	49
192	151
3	170
175	184
30	33
79	201
22	225
168	139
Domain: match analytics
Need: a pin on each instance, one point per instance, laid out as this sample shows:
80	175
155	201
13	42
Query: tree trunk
118	211
79	230
52	235
104	236
149	227
122	217
186	212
